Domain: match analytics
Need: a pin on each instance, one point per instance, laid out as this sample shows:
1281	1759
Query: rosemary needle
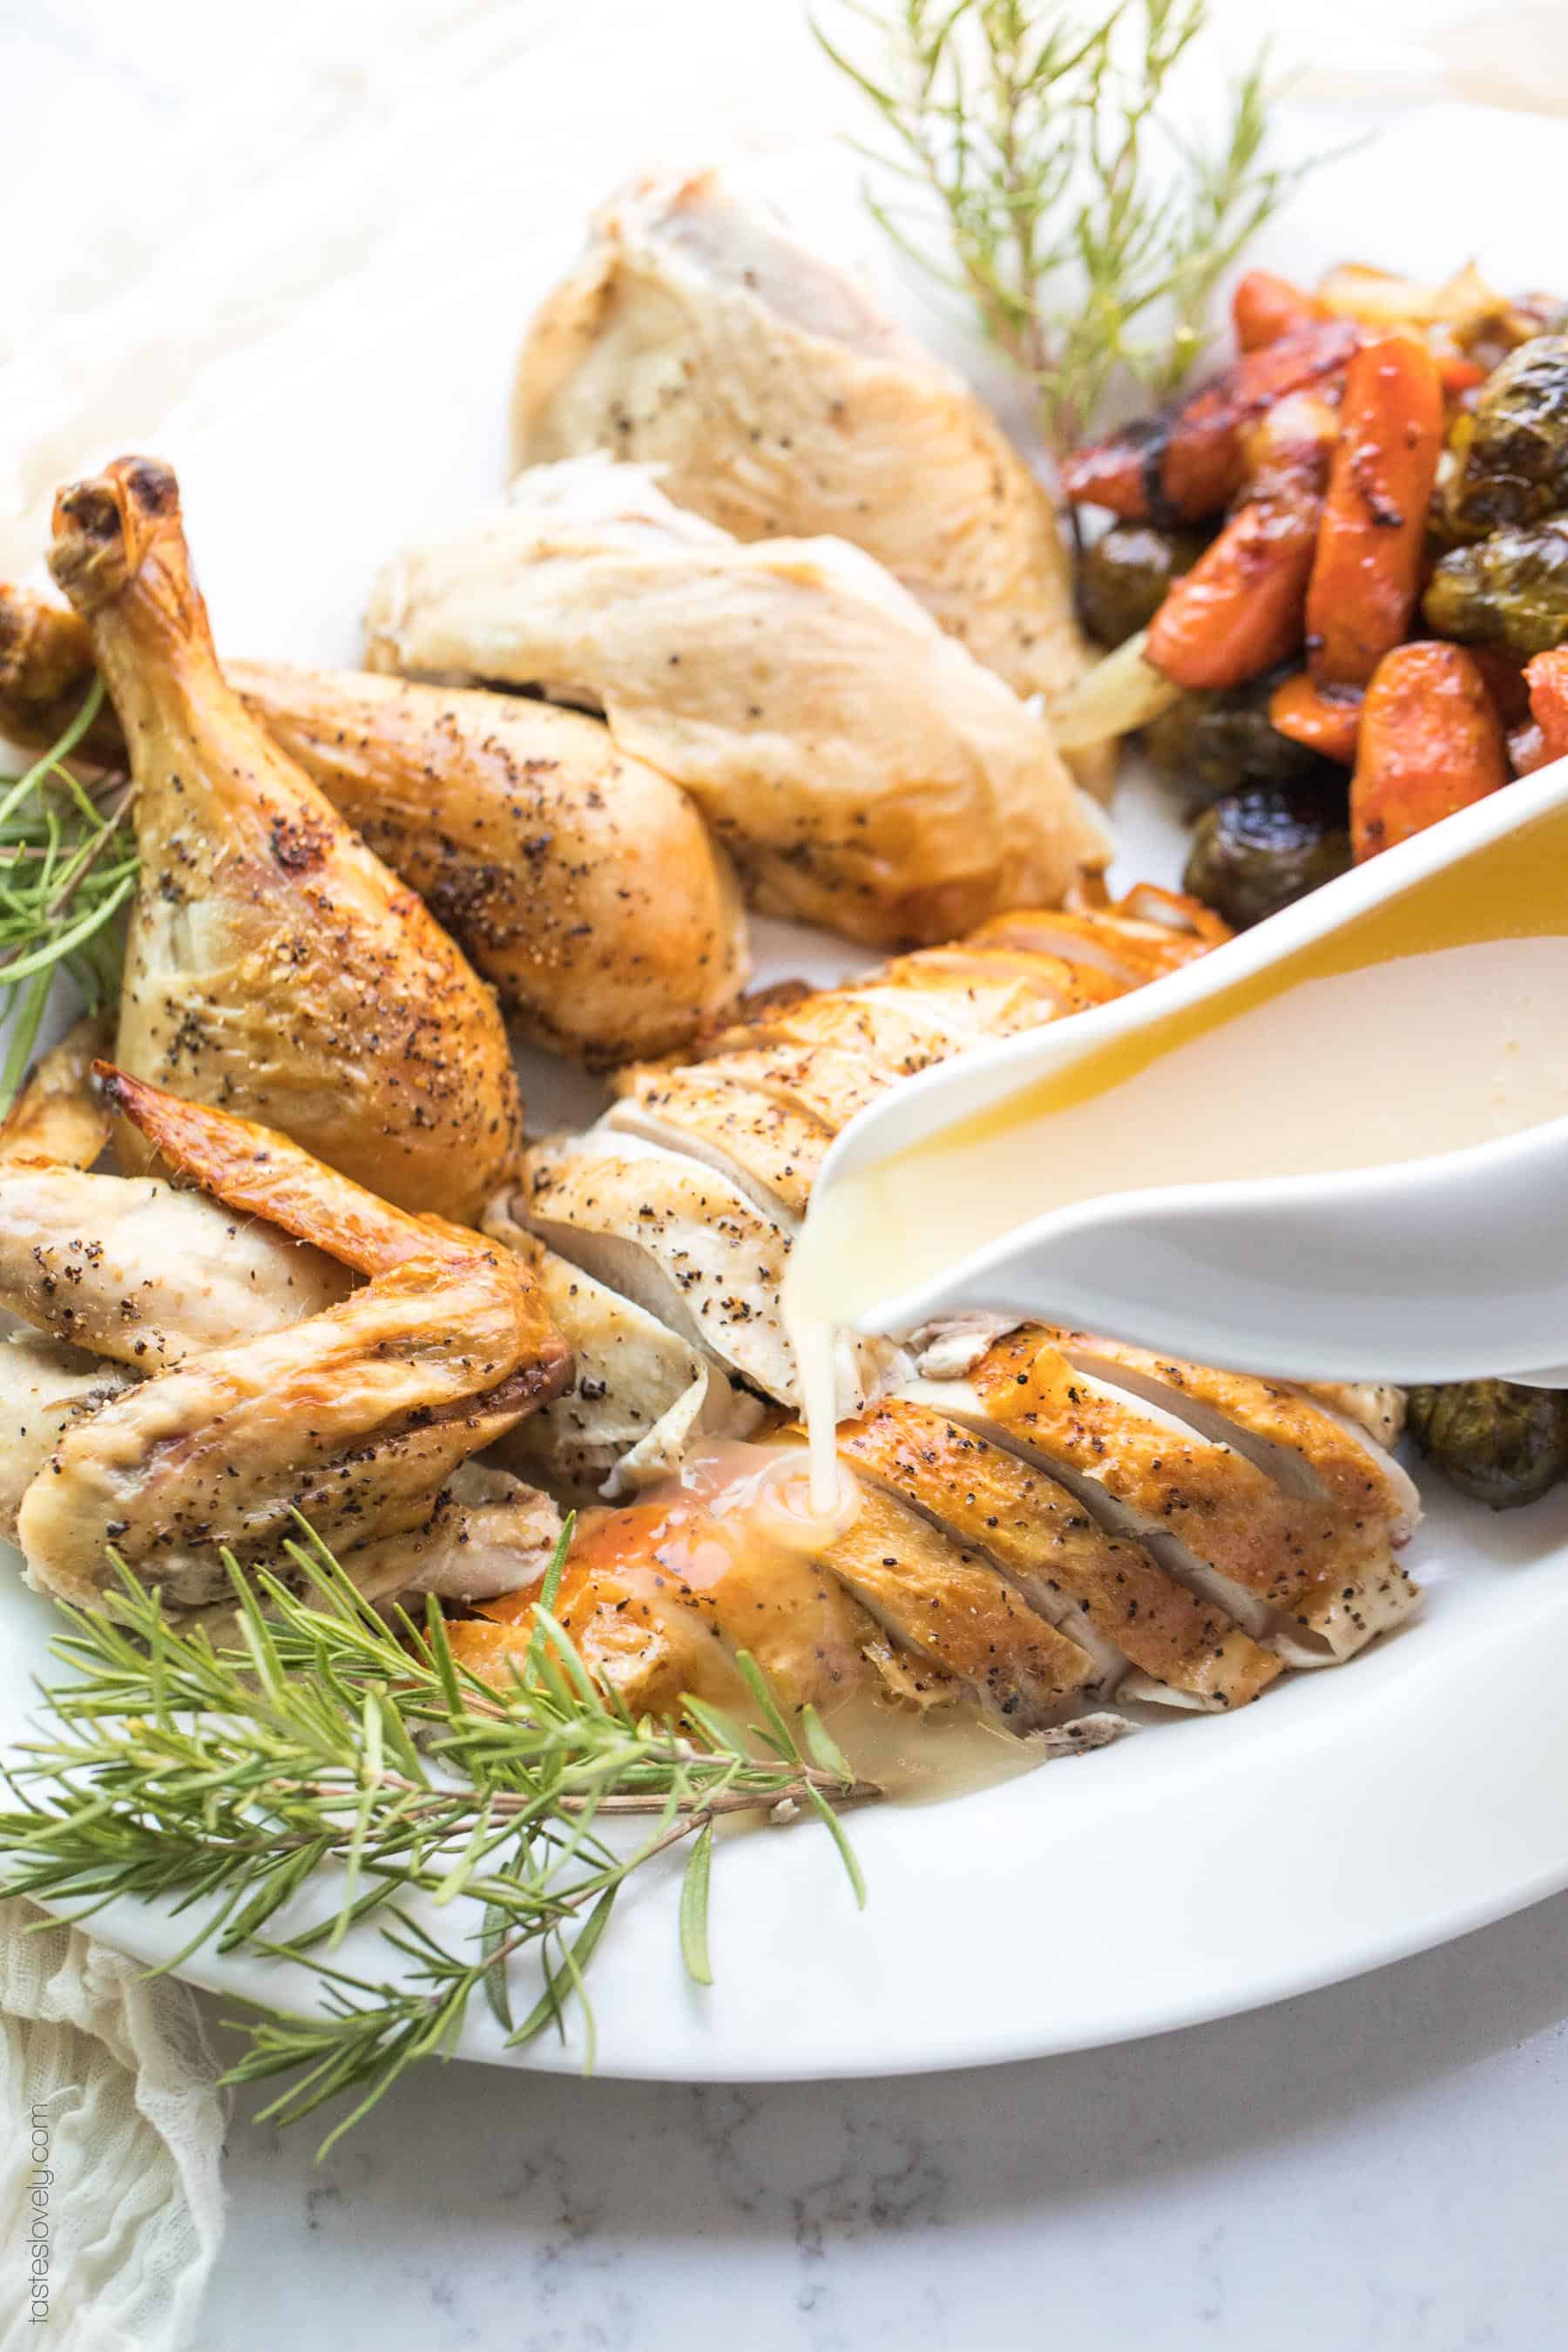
1088	231
68	866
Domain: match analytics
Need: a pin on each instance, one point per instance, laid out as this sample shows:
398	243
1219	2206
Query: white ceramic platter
1204	1867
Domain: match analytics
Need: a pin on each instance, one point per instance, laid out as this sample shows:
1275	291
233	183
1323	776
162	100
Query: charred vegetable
1212	742
1515	448
1258	849
1495	1441
1510	591
1122	577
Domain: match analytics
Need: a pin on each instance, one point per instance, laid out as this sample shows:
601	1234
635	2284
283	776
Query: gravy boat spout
1384	1067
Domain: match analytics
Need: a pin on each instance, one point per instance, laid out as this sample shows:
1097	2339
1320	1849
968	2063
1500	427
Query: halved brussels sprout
1495	1440
1258	849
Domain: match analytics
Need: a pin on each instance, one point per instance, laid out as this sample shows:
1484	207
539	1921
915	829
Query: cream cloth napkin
110	2207
323	163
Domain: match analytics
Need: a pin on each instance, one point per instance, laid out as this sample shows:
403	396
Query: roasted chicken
274	964
275	1385
1046	1518
577	880
697	335
863	769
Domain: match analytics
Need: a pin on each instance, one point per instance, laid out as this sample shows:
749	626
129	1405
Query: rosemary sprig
1088	231
230	1775
67	864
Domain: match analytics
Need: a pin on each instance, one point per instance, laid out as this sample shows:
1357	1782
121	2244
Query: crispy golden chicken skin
357	1416
274	965
579	881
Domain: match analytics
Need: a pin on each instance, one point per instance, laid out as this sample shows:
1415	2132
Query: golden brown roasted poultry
863	769
577	880
779	401
274	965
275	1383
1046	1518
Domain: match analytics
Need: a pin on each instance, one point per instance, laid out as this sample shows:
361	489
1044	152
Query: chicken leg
579	881
274	965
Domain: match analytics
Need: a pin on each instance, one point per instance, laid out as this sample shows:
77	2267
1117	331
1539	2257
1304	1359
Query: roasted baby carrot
1431	742
1263	308
1367	572
1327	718
1191	461
1547	678
1242	606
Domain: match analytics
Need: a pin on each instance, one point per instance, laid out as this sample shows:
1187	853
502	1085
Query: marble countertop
1378	2167
1374	2169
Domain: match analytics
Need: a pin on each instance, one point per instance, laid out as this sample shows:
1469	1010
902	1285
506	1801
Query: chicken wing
273	964
580	882
356	1416
865	772
696	334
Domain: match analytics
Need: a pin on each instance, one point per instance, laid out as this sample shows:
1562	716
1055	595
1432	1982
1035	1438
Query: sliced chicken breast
1307	1578
641	1395
950	1605
771	1149
1109	1594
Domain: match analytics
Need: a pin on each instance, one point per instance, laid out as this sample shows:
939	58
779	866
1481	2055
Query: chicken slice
658	1598
1310	1581
685	1243
771	1149
640	1396
356	1417
1108	1595
821	1083
273	963
1375	1406
1305	1447
950	1605
580	882
1134	941
865	773
57	1115
779	401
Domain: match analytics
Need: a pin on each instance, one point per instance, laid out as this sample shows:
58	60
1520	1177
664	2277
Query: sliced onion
1117	695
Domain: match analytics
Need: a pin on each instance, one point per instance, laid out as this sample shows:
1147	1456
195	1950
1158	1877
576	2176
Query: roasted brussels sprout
1513	446
1210	741
1122	577
1495	1441
1260	848
1510	591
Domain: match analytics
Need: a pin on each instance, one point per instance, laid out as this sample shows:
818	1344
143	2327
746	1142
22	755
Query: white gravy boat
1437	1268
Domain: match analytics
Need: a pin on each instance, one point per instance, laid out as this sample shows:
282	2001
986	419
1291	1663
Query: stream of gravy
1436	1021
